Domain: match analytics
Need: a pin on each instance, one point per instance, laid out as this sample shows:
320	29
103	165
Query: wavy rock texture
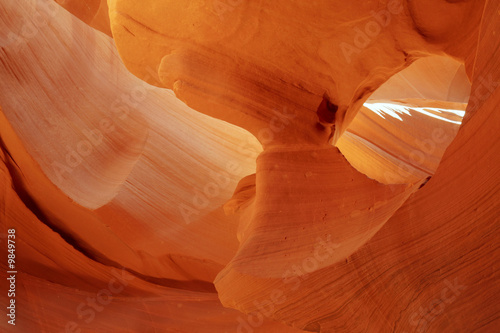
272	167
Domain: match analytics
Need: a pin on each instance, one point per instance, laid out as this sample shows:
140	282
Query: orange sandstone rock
309	170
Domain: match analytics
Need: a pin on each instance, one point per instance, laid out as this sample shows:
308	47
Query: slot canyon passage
250	166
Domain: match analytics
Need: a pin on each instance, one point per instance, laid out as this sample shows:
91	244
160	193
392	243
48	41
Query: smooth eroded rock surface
249	166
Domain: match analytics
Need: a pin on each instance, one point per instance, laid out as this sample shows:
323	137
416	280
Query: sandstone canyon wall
250	166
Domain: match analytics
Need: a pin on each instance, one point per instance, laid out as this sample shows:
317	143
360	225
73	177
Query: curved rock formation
273	167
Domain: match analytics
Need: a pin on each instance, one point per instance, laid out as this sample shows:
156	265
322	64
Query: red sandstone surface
248	166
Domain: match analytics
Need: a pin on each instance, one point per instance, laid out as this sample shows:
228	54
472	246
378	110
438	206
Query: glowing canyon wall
249	166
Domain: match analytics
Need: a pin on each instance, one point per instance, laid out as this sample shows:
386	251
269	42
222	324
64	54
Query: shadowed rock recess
250	166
